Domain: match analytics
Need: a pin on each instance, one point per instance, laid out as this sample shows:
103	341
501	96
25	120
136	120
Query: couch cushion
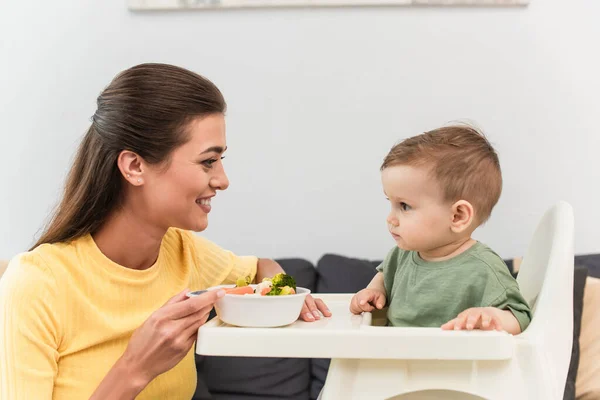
579	281
338	274
244	378
588	375
513	265
302	270
591	262
237	378
318	374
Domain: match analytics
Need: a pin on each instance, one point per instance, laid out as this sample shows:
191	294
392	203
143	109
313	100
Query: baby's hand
367	300
484	318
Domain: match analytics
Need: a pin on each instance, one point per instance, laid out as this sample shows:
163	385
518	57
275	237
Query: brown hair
146	110
461	159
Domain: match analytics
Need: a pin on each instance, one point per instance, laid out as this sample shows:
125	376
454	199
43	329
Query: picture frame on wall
224	4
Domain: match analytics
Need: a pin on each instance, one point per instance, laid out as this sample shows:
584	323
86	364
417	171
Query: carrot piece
264	291
240	290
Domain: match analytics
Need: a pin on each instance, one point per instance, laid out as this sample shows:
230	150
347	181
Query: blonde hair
461	160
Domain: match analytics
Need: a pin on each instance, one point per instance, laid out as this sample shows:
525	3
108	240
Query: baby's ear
463	216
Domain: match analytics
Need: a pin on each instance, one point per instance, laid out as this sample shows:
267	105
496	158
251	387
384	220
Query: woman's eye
208	163
404	206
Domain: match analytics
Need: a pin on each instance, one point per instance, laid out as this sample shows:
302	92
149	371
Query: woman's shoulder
31	260
39	257
29	274
57	254
54	259
32	294
44	259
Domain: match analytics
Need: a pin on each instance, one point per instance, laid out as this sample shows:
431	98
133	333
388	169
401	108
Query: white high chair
532	365
373	362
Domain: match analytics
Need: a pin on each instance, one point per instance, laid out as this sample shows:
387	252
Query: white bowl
256	311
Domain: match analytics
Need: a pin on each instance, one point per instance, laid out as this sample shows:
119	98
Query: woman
97	308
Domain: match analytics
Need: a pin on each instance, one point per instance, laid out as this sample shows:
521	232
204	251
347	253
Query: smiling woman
102	294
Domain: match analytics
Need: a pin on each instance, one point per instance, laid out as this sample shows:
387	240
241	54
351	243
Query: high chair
374	362
532	365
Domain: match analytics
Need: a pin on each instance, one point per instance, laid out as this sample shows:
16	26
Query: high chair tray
345	335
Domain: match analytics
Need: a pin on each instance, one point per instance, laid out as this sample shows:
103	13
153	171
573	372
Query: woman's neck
129	241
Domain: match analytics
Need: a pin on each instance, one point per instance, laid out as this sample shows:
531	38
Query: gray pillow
240	378
591	262
338	274
579	280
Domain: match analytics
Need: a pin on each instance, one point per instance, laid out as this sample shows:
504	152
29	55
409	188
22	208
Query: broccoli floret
282	284
280	280
243	281
275	291
287	290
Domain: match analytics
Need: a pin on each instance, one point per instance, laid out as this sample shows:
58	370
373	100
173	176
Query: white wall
316	98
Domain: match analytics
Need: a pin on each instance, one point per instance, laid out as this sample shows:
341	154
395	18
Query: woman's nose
219	181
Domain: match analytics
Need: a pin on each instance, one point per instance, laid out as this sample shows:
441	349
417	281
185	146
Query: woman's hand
313	308
169	333
157	345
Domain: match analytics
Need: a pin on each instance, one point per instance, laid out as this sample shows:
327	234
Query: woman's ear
131	166
463	216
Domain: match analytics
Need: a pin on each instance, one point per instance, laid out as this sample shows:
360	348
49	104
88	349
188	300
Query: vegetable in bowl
279	285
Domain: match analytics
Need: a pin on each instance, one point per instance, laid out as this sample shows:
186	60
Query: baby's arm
485	318
374	296
509	322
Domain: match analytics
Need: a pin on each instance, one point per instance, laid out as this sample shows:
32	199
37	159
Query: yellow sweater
67	313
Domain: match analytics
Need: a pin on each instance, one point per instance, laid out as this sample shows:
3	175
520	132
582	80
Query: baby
442	185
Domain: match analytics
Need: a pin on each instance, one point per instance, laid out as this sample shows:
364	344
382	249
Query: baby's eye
404	206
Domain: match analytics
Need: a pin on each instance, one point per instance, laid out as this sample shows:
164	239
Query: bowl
256	311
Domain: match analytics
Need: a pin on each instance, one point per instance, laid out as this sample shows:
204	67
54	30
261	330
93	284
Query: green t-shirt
429	294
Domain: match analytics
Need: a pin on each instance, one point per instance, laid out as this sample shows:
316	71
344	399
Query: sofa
245	378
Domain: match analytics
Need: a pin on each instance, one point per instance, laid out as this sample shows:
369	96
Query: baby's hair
461	160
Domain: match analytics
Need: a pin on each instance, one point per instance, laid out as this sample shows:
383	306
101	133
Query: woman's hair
145	109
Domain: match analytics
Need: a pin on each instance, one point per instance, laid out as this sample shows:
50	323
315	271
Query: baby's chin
403	245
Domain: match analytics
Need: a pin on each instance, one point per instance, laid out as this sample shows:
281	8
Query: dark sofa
245	378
